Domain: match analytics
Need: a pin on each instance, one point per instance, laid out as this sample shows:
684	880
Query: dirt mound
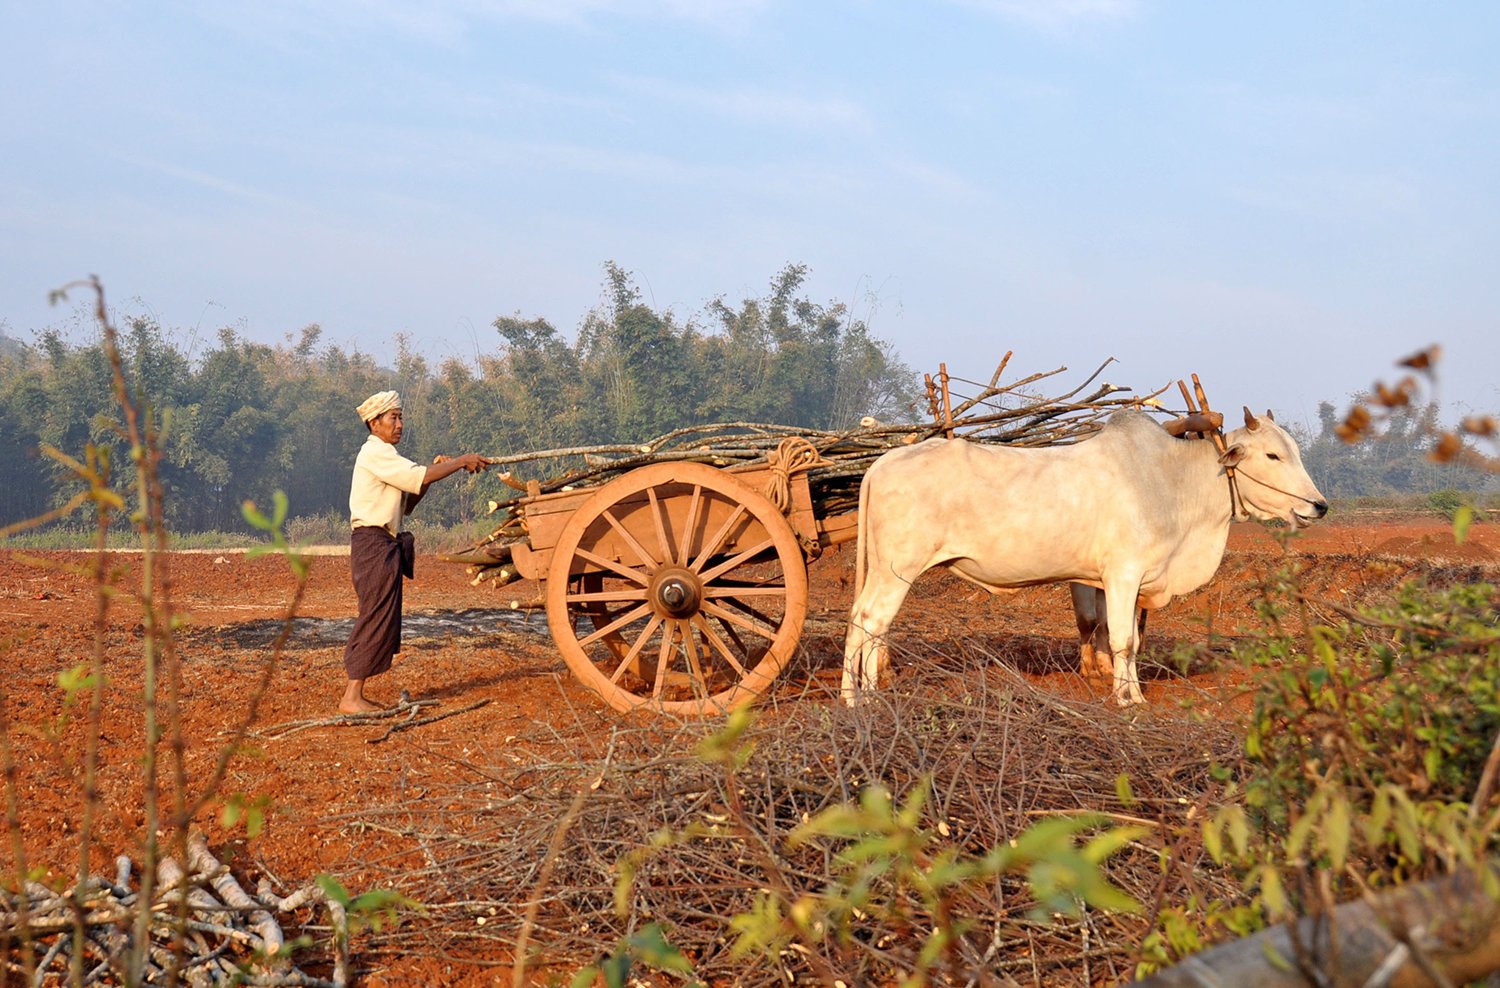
1436	547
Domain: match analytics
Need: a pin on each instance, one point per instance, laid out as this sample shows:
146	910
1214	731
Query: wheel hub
676	592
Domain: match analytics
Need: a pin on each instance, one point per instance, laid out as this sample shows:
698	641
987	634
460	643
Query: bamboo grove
243	419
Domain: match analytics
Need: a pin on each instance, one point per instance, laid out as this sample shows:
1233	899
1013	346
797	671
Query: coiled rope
792	455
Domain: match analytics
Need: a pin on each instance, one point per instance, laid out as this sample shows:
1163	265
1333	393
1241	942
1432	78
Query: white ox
1131	511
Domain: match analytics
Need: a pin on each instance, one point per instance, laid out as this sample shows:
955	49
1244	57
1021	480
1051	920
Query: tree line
246	419
1399	461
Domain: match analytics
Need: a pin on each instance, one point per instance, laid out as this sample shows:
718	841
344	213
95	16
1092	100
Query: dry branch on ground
221	934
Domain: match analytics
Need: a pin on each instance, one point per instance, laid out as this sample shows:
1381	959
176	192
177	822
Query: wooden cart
682	586
678	586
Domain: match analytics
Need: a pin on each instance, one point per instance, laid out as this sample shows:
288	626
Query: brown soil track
469	646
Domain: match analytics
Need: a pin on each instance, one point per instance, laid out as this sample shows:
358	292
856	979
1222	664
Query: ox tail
861	526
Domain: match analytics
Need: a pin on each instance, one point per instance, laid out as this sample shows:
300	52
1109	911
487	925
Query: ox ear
1251	422
1270	416
1232	456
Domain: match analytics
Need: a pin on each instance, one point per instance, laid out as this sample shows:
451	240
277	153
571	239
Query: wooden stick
1198	390
1216	434
1187	399
947	401
1199	422
201	860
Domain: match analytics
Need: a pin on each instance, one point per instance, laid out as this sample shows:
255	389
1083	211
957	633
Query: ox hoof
854	698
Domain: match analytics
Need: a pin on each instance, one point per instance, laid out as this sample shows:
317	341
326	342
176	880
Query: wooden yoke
1200	420
1196	422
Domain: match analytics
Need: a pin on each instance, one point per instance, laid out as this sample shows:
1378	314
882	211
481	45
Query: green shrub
1448	501
1403	693
328	528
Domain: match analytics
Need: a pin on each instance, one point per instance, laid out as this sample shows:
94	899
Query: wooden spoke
611	596
610	564
685	548
663	660
635	650
770	590
725	615
663	538
734	636
649	561
634	614
706	630
737	560
749	611
712	545
700	682
600	613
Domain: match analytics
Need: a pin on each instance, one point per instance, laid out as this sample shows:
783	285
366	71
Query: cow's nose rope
1278	490
1236	503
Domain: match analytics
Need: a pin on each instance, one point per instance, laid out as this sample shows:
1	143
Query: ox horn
1251	422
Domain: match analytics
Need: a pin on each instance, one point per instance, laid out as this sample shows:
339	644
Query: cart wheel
693	586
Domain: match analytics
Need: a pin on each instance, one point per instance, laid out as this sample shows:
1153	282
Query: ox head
1271	480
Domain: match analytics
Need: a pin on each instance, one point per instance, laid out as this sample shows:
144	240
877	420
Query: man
386	486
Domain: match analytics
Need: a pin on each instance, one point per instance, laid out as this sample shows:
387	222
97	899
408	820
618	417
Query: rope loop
794	454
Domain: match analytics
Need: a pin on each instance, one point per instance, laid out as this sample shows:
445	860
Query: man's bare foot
354	700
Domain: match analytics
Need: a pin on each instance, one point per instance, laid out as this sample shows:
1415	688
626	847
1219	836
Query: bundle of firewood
1015	414
220	935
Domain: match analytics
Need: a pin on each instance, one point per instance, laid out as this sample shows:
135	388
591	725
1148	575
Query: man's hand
472	462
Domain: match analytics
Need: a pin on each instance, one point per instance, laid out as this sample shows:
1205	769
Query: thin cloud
1056	15
445	21
758	105
206	180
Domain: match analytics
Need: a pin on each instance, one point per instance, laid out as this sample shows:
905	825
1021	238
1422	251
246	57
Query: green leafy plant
647	947
374	910
1369	760
1402	693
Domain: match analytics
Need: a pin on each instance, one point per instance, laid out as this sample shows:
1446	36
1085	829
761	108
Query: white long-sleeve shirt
382	479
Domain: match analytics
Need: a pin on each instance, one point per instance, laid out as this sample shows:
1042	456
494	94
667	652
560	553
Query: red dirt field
464	645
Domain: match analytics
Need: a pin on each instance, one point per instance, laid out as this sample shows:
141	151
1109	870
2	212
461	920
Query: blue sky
1284	197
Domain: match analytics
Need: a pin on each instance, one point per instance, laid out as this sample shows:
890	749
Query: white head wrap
378	404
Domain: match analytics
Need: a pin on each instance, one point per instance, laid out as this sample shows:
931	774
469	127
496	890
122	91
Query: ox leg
1093	631
865	652
1121	615
1089	613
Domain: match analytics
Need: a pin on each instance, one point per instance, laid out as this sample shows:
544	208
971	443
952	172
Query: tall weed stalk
143	432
